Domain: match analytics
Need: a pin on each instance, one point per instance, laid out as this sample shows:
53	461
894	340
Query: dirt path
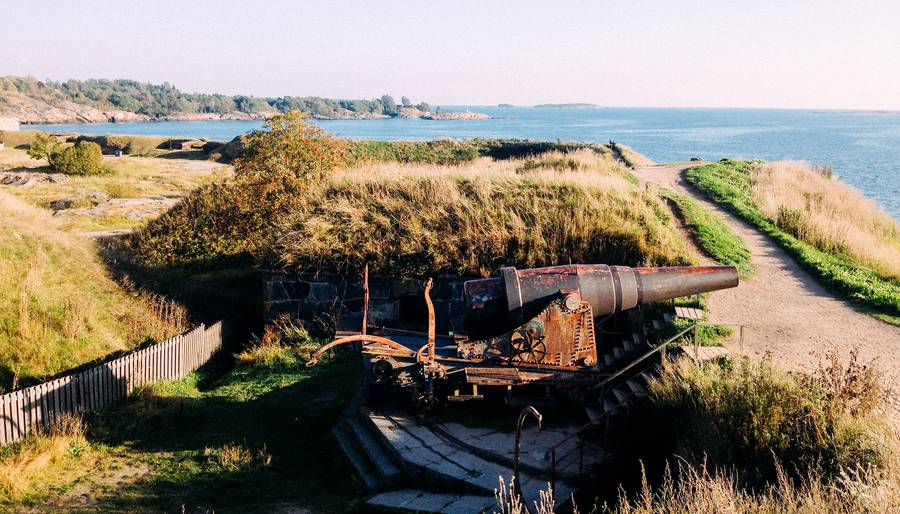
788	314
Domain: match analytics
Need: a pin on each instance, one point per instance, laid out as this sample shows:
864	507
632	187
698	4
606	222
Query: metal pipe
527	411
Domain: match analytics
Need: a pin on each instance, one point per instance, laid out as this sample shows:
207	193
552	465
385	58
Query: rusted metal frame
363	338
429	344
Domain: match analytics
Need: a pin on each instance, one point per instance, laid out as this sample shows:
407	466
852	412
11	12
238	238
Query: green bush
84	158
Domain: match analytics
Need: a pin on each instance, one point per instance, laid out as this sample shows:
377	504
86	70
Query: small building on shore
11	124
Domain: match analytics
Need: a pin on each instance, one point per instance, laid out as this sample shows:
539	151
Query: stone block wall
393	302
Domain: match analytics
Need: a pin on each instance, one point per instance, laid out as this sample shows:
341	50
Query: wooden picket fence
91	389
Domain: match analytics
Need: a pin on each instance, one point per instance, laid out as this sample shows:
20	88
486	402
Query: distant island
505	106
570	105
99	101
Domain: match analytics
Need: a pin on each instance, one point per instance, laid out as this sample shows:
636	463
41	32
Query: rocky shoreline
29	110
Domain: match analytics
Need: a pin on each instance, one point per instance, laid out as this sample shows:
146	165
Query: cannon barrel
517	295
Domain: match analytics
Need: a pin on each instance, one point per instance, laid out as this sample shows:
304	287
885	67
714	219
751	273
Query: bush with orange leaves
228	220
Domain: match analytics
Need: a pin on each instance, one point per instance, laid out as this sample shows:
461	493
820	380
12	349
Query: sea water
862	146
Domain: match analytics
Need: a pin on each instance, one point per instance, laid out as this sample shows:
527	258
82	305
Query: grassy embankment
468	218
58	306
843	239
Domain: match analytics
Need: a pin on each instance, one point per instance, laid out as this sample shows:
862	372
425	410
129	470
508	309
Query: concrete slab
415	500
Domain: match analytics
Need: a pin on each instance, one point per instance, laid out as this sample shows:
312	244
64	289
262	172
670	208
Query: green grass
729	183
716	238
257	437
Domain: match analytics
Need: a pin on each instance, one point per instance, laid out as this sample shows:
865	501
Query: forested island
99	100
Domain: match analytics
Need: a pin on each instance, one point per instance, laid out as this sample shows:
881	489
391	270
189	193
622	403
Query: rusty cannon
531	328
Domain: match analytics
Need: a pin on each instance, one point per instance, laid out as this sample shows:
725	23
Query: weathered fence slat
91	389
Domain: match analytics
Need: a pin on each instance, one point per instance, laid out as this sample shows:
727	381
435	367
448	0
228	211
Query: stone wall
9	124
393	302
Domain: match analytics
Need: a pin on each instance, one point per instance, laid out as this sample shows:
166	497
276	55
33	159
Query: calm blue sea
863	147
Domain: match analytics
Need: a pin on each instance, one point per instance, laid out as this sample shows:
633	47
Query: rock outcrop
29	109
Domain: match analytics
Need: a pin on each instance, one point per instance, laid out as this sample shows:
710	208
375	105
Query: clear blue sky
764	53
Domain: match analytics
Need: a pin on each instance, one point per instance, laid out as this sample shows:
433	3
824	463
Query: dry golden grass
58	306
817	207
632	157
474	217
44	459
584	159
284	342
698	491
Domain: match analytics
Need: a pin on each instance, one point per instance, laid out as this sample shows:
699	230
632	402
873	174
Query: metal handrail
635	362
551	452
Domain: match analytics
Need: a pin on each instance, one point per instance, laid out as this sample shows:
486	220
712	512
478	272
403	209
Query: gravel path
788	314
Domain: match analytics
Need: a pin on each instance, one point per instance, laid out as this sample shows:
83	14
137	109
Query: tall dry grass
472	218
584	159
44	459
695	490
817	207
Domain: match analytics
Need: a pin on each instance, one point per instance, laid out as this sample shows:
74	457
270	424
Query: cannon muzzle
518	295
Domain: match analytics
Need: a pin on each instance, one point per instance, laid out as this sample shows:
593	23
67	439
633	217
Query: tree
388	104
233	218
290	147
424	107
45	147
405	101
84	158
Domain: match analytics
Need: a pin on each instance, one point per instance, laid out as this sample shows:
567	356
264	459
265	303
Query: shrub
230	220
751	416
84	158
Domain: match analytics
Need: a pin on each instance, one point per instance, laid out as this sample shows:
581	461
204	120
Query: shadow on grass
229	290
193	155
285	412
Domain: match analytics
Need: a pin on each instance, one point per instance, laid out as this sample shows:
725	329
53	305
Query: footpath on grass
789	315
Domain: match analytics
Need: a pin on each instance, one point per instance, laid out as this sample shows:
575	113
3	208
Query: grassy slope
58	307
259	436
473	218
714	236
728	183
